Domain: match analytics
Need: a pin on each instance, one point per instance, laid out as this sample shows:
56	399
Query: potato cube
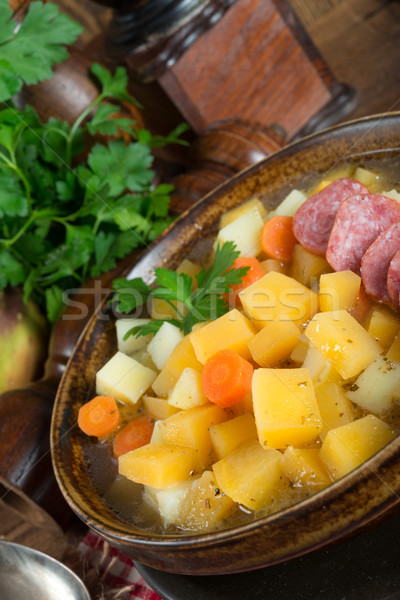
160	309
227	436
307	268
251	475
369	178
300	351
338	291
164	343
205	506
378	386
159	408
169	500
191	428
321	370
233	331
245	232
271	264
241	408
188	392
277	295
335	409
394	351
132	343
274	342
348	446
252	205
342	341
157	465
303	467
189	268
124	378
290	204
157	436
383	325
285	407
183	356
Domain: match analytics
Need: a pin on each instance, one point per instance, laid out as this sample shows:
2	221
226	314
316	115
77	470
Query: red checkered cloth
115	572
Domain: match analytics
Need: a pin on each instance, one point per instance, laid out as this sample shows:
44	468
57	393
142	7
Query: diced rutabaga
307	267
274	342
164	343
124	378
254	205
227	436
245	232
303	467
383	325
348	446
378	386
342	341
290	204
132	343
339	290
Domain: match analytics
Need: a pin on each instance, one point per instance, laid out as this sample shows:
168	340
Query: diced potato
245	232
160	309
227	436
231	331
383	325
378	386
369	178
169	500
124	378
290	204
189	268
157	465
241	408
277	295
183	356
307	267
164	343
393	194
285	407
191	428
303	467
342	341
252	205
321	185
205	506
188	392
271	264
335	409
144	358
338	291
299	352
251	475
132	343
321	370
274	342
348	446
394	351
157	436
159	408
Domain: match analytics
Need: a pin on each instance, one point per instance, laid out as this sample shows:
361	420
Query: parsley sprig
191	304
64	218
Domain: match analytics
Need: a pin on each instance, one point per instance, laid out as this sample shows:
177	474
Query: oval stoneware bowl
356	502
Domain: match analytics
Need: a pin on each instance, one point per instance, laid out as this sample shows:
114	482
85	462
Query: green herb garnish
203	303
64	218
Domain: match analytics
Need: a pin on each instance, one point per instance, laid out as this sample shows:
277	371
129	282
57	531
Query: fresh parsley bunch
200	302
64	218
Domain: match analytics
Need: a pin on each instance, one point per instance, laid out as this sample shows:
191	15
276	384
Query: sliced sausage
314	220
359	221
376	260
393	280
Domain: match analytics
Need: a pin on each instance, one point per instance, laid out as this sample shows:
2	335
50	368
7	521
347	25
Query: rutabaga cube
254	205
290	204
188	392
164	343
245	232
132	343
124	378
378	386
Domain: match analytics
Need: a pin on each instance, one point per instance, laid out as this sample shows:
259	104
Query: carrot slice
135	434
254	273
277	239
226	378
99	417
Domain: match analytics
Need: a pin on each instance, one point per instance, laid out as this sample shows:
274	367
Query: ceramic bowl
357	501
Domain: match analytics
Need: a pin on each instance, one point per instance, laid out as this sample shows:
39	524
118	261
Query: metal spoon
27	573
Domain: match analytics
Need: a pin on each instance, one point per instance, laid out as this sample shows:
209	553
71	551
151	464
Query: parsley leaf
204	303
28	53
